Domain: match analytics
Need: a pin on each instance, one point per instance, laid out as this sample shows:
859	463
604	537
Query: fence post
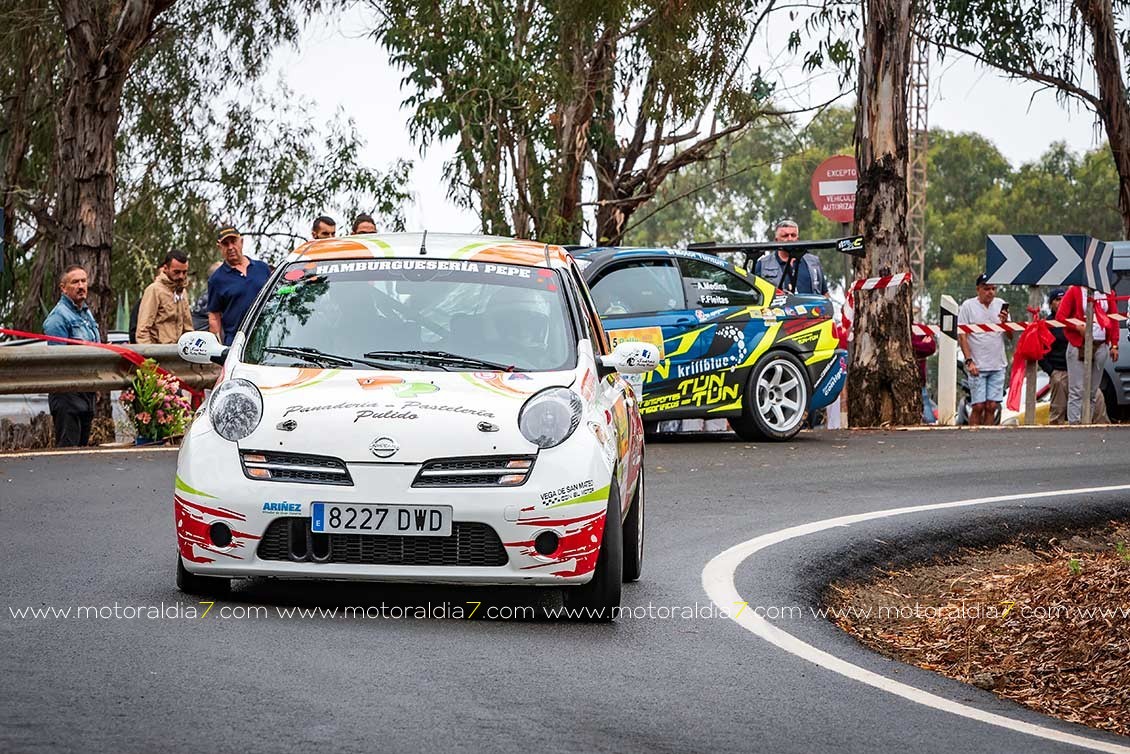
1088	356
947	361
1035	300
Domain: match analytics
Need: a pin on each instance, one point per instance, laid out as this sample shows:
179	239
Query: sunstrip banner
129	355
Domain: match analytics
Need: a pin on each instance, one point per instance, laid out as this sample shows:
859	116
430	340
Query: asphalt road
96	530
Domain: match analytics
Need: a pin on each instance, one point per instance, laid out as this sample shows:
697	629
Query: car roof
598	255
470	247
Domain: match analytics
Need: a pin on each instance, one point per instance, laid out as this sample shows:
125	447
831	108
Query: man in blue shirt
72	413
233	287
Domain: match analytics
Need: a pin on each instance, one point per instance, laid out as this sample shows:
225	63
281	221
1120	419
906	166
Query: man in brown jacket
165	313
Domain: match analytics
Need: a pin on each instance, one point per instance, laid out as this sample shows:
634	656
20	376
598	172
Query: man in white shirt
985	360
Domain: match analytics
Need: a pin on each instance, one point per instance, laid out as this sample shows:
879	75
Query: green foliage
534	91
1075	566
761	177
1071	48
758	178
972	192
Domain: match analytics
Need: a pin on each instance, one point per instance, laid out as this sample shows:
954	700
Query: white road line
718	581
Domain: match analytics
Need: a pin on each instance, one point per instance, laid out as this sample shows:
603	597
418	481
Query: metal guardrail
65	369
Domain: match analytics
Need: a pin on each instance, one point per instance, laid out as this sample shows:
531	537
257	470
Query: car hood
342	412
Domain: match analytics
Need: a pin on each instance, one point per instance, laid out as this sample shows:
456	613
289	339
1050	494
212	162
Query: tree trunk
103	40
1114	108
88	123
584	68
883	378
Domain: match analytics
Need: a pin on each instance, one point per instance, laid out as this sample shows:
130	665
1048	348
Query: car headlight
550	417
235	409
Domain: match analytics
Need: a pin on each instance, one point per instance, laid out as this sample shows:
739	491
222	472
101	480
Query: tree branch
1058	82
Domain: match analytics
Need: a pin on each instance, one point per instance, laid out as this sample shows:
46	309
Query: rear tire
776	399
203	586
597	598
633	534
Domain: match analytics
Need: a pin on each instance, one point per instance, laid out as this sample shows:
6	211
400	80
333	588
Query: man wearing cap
985	360
807	274
233	287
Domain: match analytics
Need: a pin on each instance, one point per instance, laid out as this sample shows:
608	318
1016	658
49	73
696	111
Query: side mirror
201	348
632	357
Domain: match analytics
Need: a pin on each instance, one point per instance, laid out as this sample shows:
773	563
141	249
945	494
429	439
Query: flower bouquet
155	405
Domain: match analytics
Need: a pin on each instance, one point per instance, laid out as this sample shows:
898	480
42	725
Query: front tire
595	600
776	399
633	534
203	586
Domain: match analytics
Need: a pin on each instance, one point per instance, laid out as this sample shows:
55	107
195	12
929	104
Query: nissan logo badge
384	447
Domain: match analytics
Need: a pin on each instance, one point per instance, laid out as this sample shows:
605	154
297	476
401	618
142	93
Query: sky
337	66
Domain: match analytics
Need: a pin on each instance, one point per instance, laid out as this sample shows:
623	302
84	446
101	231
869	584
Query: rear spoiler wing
851	245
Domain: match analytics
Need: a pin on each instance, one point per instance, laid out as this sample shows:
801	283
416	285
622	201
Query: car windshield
400	313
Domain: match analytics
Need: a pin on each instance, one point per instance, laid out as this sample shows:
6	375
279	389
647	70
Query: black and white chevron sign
1030	259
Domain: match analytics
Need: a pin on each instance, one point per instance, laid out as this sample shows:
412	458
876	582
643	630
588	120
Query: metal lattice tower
917	106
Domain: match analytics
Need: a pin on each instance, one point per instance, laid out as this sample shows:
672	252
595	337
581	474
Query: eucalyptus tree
540	97
883	381
128	127
1075	47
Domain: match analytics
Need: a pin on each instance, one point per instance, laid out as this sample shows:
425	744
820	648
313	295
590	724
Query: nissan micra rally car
399	408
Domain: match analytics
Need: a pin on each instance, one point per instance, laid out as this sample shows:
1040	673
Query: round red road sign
833	188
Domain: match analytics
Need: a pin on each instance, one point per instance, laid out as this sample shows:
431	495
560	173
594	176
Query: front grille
475	471
271	466
471	544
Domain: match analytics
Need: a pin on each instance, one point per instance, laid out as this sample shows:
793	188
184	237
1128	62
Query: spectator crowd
164	313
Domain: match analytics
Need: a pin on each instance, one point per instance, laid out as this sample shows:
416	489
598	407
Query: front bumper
830	380
212	488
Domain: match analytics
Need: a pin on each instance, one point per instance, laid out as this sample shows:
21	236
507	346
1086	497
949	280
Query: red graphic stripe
216	512
582	546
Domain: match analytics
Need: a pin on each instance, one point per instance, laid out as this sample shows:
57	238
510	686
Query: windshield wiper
444	357
321	358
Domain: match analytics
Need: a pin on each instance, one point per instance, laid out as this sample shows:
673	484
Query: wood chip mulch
1047	626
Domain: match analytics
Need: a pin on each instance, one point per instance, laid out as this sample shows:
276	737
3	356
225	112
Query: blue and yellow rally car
732	345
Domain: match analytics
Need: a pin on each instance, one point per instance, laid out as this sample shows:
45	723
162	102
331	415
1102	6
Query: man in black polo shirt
233	287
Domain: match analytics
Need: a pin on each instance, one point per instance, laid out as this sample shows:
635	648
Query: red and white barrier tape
923	329
886	281
847	314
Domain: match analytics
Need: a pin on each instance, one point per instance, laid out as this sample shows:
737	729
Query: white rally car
439	409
